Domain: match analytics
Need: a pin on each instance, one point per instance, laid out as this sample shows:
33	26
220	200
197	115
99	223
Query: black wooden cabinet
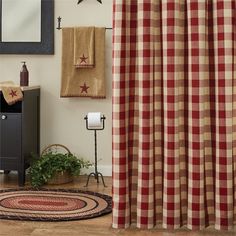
19	132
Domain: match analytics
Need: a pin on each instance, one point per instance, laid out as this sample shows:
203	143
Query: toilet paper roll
94	120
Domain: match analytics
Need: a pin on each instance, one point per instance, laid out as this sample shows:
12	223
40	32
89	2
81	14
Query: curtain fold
174	113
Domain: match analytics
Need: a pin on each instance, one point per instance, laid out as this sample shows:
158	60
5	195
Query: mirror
26	26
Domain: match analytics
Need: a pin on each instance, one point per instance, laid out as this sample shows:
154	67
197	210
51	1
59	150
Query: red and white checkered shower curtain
174	113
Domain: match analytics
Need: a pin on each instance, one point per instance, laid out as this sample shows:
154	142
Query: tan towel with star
12	93
84	47
86	82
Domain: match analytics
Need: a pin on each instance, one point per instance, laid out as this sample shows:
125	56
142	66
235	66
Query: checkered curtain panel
174	113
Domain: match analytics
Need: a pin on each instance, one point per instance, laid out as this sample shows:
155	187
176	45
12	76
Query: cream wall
62	119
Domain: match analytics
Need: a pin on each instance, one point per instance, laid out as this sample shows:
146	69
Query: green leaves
48	164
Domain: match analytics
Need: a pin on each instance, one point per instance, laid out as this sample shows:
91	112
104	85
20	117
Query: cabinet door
10	141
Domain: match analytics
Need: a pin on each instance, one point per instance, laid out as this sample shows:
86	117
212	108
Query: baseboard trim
106	170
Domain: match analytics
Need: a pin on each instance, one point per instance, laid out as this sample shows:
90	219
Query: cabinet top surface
26	88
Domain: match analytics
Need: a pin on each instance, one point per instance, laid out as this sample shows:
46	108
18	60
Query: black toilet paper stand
95	173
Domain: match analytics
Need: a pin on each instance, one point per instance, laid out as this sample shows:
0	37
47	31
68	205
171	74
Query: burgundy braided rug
52	204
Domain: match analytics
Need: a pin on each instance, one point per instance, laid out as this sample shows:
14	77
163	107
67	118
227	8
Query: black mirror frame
46	46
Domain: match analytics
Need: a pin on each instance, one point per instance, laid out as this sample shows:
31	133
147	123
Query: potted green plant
55	167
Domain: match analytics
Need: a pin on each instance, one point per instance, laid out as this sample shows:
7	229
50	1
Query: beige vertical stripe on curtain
223	44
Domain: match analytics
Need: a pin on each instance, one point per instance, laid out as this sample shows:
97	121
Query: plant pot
61	178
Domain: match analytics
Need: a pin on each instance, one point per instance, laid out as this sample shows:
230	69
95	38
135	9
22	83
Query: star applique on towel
83	59
84	88
13	93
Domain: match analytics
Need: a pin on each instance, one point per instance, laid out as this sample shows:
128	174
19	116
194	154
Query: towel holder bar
59	24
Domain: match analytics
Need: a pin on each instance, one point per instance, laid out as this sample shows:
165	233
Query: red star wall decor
13	93
84	88
83	59
79	1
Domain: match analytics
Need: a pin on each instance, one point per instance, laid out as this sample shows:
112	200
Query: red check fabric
174	113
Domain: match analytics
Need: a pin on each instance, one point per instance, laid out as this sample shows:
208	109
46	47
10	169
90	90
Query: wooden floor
97	226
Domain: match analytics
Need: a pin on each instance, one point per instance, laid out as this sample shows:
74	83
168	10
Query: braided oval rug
52	204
